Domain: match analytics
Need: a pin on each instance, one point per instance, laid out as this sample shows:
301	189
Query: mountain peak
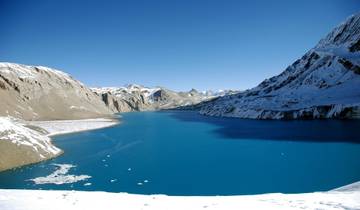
347	34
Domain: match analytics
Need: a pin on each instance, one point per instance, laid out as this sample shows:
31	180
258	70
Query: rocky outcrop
321	84
41	93
21	145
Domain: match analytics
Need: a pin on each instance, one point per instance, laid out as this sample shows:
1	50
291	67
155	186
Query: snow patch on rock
14	130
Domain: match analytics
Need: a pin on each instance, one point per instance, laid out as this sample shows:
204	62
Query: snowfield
347	197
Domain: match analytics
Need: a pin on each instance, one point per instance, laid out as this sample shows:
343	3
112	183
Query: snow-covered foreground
343	198
58	127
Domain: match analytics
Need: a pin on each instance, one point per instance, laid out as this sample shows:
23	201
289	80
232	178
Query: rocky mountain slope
321	84
38	93
140	98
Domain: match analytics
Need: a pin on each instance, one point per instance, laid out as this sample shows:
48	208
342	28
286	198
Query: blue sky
180	44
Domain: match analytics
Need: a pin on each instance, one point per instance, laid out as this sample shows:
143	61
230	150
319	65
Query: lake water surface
184	153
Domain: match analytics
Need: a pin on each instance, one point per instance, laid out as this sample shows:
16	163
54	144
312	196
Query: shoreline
346	197
61	127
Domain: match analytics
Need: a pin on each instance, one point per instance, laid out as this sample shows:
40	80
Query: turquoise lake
184	153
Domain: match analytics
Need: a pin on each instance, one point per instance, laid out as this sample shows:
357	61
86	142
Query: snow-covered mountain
36	92
322	84
139	98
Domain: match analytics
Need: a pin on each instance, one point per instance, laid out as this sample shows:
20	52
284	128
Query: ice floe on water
143	182
60	176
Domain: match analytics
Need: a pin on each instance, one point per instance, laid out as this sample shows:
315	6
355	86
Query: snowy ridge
31	72
346	33
321	84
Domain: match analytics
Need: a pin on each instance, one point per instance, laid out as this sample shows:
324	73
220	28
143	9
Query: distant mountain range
322	84
139	98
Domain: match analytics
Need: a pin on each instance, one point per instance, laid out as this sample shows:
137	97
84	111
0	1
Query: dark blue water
183	153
